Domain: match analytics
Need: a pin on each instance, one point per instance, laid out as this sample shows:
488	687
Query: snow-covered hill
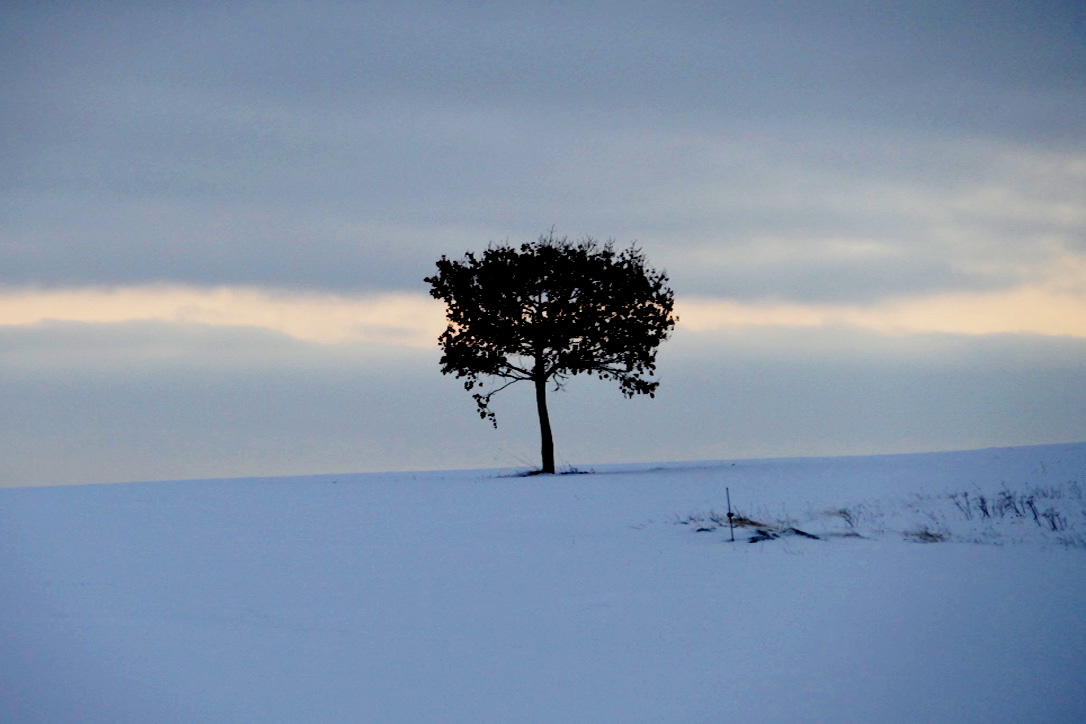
941	587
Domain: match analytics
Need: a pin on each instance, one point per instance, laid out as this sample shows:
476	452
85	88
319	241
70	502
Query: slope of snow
481	596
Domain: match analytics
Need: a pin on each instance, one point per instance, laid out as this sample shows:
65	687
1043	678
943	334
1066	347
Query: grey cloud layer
744	59
147	401
346	146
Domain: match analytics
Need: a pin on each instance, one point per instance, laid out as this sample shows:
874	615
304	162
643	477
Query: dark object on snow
762	534
731	521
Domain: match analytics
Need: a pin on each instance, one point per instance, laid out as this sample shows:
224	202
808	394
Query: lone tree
550	310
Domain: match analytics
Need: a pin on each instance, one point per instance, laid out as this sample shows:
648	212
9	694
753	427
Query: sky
215	220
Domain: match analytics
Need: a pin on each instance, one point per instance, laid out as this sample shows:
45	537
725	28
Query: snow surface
480	596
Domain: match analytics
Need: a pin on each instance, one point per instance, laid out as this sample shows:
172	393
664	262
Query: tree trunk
546	441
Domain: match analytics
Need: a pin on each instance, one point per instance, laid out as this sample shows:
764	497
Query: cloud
110	404
757	220
396	320
202	198
343	149
1019	311
867	224
1053	302
144	400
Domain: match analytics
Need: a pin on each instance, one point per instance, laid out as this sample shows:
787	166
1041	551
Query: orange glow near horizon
415	320
394	319
1022	311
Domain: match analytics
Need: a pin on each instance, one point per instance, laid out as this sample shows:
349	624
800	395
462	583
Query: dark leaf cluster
551	309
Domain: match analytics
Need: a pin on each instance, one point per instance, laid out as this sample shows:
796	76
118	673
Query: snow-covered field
484	597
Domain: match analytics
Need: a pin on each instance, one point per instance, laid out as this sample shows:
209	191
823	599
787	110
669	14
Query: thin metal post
730	526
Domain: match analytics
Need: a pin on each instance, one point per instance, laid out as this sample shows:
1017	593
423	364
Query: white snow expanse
480	597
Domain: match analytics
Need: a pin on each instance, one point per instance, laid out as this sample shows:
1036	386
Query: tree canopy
547	310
